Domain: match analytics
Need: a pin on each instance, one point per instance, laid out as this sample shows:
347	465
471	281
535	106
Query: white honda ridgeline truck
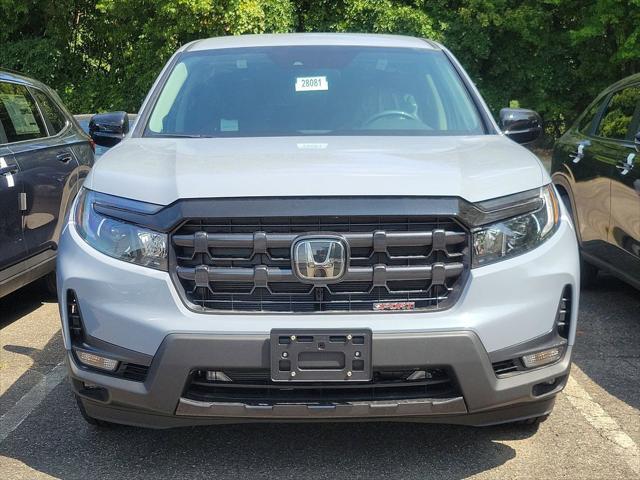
317	227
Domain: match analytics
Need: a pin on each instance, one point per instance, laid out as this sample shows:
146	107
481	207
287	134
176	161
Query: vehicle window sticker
227	125
19	110
310	84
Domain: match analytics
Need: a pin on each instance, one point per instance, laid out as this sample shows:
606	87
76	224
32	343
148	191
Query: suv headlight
116	238
517	235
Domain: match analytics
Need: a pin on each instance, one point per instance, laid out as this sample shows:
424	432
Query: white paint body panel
136	307
162	170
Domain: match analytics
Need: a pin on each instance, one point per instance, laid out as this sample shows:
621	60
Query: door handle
10	170
64	157
627	165
579	154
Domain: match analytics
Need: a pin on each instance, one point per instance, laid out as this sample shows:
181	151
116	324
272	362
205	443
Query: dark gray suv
44	157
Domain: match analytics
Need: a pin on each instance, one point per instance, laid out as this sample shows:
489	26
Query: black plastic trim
471	215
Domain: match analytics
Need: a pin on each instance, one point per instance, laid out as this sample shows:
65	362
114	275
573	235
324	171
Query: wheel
89	419
50	284
588	272
533	422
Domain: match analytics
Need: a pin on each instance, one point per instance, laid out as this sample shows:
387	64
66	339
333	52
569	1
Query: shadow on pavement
607	344
66	447
22	302
43	360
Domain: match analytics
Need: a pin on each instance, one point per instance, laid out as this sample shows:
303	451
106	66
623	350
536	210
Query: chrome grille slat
233	265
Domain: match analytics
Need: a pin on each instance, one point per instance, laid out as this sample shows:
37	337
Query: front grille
244	265
255	387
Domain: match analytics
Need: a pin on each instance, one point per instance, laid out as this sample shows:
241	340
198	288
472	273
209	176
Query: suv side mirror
107	129
520	124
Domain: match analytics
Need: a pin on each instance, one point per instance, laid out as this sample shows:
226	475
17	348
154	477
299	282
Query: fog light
97	361
545	357
214	376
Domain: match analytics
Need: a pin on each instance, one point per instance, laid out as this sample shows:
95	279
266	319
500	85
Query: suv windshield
313	90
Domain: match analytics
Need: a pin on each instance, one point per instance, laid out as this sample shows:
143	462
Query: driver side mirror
108	129
520	124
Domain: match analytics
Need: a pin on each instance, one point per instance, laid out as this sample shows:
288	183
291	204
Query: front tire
89	419
50	284
588	272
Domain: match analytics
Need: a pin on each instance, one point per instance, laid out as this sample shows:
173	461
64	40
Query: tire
50	284
89	419
588	272
535	420
531	423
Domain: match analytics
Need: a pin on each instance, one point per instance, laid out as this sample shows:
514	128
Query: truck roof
307	39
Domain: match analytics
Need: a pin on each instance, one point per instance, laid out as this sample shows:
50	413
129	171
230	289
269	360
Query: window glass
584	126
55	119
618	115
313	90
19	114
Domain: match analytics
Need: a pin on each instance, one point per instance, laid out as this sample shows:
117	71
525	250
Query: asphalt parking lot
593	433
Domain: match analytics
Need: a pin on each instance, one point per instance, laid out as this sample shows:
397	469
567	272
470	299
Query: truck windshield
313	90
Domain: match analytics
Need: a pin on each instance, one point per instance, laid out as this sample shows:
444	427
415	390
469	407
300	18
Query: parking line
21	410
599	419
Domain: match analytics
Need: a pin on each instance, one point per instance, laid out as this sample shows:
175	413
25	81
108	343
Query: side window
618	115
55	119
584	126
18	114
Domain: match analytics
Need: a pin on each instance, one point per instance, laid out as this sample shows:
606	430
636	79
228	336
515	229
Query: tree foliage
550	55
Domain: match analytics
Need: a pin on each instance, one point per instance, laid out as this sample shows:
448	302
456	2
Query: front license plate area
320	355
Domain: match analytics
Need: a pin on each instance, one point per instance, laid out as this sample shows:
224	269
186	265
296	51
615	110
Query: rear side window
54	118
18	113
618	115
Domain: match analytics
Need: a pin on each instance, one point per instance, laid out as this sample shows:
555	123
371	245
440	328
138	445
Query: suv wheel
588	272
50	284
531	422
89	419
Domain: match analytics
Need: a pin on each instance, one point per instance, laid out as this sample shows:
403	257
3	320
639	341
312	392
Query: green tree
550	55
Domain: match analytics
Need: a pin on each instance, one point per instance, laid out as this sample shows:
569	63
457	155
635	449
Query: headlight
116	238
517	235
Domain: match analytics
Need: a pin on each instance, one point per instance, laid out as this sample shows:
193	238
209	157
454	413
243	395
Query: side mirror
107	129
637	141
520	124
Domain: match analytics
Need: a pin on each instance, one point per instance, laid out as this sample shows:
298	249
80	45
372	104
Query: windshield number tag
310	84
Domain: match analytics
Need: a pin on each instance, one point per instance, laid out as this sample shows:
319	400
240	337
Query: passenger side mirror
520	124
107	129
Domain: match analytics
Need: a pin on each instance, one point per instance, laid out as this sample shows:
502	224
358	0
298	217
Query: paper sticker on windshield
311	84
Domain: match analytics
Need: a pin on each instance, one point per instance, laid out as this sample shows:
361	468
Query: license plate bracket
320	355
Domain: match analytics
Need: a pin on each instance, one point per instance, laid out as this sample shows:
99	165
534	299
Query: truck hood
162	170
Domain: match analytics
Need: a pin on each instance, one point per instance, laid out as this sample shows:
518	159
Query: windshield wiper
314	132
180	135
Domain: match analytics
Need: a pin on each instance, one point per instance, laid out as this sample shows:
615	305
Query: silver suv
317	227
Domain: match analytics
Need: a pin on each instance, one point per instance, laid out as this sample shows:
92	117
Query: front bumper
503	306
158	401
